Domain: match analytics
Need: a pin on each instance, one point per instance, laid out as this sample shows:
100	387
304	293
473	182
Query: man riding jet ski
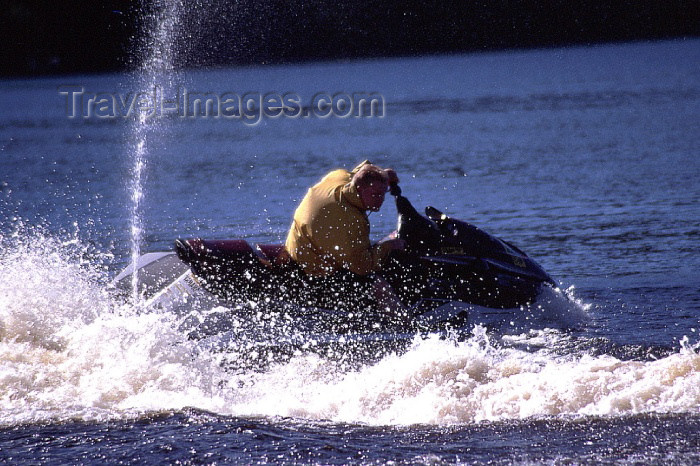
424	276
329	237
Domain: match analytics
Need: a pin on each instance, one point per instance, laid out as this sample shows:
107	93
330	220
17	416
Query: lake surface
586	158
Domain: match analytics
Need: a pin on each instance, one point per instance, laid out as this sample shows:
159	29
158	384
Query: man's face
372	195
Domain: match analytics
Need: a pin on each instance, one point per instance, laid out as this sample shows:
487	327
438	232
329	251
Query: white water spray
160	31
136	223
69	349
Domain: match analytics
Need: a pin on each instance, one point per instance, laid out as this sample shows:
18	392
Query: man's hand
391	176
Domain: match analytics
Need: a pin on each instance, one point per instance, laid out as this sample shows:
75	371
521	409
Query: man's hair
370	175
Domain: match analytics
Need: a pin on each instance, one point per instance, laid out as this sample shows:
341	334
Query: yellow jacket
330	230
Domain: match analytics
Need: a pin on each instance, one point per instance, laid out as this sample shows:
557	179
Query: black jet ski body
451	259
447	266
253	303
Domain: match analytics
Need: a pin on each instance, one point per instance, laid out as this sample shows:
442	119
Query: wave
443	382
71	349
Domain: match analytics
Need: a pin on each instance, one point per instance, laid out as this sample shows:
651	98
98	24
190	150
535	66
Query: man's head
372	184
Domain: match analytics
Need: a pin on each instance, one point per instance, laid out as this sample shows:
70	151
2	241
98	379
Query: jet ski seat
272	254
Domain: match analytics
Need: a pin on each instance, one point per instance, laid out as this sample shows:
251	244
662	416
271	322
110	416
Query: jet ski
448	269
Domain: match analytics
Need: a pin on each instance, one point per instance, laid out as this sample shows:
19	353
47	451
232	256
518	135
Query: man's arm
347	244
364	258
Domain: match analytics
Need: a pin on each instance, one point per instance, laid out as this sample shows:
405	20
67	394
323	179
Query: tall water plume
155	52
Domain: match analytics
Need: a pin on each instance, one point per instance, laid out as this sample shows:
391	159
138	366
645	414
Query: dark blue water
194	437
586	158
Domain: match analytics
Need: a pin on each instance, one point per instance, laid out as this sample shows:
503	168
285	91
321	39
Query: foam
69	349
443	382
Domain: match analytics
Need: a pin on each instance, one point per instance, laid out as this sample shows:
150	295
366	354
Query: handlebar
394	189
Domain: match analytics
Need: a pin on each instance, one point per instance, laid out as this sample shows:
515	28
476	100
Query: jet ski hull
448	266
